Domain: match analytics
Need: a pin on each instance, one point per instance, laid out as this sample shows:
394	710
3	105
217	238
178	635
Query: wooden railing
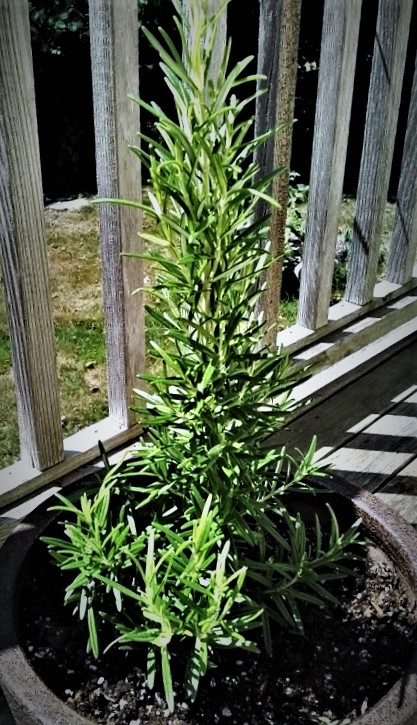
45	455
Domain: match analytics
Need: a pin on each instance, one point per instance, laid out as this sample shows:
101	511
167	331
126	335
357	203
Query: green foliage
53	22
156	584
344	241
295	226
288	310
191	542
4	353
295	233
345	236
298	195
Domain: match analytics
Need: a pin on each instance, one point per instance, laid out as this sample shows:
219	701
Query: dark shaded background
64	93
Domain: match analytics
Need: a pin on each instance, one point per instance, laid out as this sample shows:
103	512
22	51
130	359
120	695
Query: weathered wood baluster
403	245
334	100
23	247
115	71
387	72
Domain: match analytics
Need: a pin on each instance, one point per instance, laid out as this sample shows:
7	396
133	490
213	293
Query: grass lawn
75	274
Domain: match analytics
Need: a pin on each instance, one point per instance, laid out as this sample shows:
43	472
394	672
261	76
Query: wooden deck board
367	430
336	420
380	450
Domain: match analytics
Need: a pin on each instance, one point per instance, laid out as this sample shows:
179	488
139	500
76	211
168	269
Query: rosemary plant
189	544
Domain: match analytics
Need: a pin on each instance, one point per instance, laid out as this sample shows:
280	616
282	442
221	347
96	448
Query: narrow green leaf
167	679
93	639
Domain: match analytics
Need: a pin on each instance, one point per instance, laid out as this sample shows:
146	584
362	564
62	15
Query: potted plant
196	545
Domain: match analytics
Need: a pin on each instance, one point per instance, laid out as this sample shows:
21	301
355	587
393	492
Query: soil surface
349	656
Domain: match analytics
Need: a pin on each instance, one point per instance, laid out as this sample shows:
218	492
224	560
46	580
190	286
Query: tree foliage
55	22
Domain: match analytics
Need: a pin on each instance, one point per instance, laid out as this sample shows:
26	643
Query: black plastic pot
32	703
